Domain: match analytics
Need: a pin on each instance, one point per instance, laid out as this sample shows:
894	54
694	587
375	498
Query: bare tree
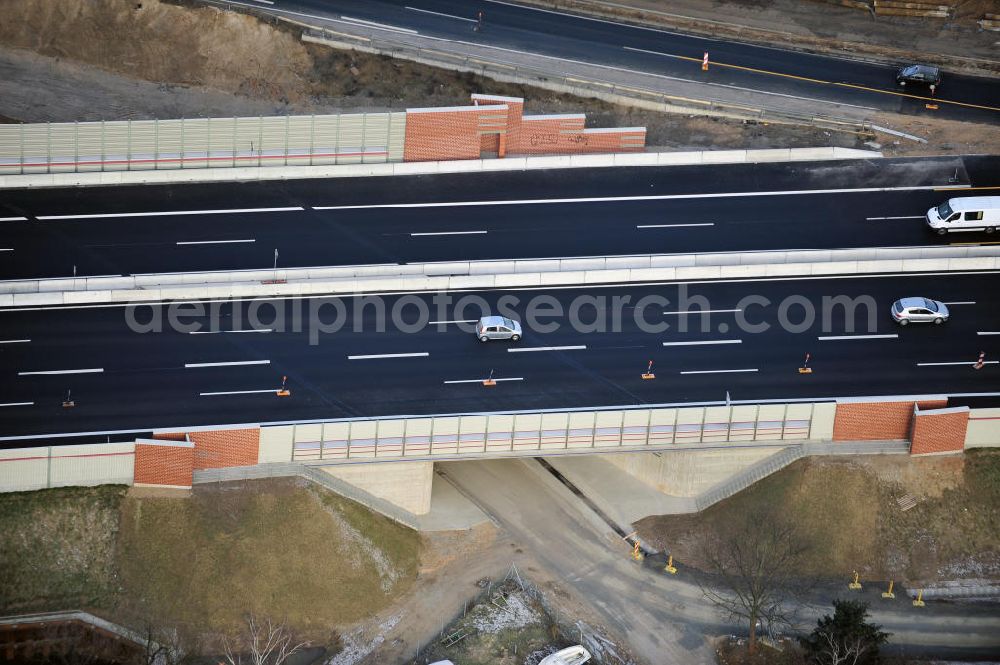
262	642
168	645
755	564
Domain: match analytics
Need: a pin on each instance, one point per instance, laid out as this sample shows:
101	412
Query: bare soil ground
848	511
71	60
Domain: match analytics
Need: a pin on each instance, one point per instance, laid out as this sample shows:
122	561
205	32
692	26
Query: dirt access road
663	619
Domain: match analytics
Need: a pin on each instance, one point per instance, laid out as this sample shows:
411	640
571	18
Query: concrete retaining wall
23	469
983	429
116	178
493	275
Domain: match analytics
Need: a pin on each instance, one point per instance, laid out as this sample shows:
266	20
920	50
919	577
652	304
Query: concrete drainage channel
485	275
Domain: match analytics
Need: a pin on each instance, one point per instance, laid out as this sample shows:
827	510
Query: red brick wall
874	421
937	432
515	111
163	464
228	447
449	133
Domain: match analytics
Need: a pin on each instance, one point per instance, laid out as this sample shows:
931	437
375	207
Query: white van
966	213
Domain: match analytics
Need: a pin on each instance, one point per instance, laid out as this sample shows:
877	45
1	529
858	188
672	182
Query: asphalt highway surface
581	348
535	214
781	73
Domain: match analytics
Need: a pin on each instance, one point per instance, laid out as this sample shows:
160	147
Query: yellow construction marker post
636	552
855	585
806	369
670	568
889	594
919	600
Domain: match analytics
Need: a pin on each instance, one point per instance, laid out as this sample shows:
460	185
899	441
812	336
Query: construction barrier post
648	374
636	552
855	585
889	594
670	568
980	361
806	369
283	391
919	600
490	381
69	402
704	62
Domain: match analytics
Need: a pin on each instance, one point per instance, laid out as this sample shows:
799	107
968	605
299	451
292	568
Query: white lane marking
449	233
228	364
214	242
434	323
831	338
6	249
266	2
13	219
756	90
871	219
18	404
670	226
516	378
216	332
172	213
373	24
703	342
421	354
965	302
719	371
427	11
546	348
704	311
97	370
612	199
985	362
240	392
988	333
14	341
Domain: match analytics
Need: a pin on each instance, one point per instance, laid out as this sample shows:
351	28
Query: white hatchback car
498	327
919	310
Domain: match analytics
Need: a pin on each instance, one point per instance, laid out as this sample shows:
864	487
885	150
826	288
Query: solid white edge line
14	341
670	226
449	233
217	332
703	311
615	407
435	323
427	11
831	338
227	364
719	371
214	242
239	392
700	343
985	362
988	332
96	370
610	285
516	378
547	348
17	404
421	354
373	24
651	197
171	213
13	219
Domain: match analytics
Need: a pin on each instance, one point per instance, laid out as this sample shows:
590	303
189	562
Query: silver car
919	310
498	327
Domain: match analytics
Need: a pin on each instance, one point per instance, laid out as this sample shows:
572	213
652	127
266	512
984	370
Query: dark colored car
924	75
